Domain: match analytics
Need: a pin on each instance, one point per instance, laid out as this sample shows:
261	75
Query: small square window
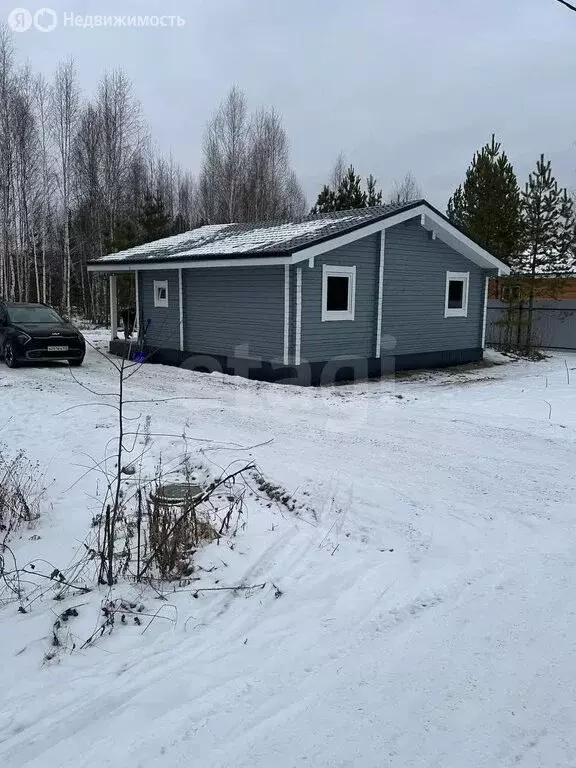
337	297
338	293
456	302
455	294
160	293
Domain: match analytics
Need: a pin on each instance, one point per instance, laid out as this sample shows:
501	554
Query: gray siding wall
164	329
342	338
553	324
413	319
414	294
237	312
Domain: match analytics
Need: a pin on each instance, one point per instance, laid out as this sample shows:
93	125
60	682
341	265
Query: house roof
298	238
225	240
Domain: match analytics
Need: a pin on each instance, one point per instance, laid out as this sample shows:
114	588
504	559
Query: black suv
34	332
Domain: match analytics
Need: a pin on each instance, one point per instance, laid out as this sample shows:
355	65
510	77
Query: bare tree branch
568	5
406	191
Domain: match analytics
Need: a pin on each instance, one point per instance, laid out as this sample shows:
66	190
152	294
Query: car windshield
33	315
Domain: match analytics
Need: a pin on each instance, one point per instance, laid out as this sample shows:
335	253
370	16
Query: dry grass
20	493
174	533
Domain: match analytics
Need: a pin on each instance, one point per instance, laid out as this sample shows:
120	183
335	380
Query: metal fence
553	323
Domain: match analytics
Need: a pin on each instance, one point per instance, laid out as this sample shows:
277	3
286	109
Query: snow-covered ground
426	616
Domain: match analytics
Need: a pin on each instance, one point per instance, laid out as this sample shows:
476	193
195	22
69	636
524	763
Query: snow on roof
265	238
170	246
256	238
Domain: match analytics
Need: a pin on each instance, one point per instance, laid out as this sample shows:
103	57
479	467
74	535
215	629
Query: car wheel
76	363
9	356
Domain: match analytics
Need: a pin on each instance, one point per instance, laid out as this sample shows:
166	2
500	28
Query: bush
174	533
20	496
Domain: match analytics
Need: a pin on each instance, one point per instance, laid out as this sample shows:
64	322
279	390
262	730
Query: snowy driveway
427	618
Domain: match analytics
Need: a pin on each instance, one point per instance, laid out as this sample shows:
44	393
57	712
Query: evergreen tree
487	206
550	227
126	235
348	194
326	201
153	219
373	197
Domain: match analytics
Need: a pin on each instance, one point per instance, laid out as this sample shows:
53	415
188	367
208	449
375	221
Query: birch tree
27	188
246	173
224	160
295	199
7	86
42	109
188	215
121	140
267	167
65	108
338	171
81	178
406	191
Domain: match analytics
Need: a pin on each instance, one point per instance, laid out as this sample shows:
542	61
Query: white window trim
461	311
158	285
334	271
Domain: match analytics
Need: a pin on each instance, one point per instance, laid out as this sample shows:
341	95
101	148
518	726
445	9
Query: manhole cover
176	493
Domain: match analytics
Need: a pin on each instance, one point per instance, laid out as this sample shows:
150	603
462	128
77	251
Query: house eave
430	218
167	264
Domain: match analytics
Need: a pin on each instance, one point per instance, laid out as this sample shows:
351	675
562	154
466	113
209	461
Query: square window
338	292
455	294
160	293
456	302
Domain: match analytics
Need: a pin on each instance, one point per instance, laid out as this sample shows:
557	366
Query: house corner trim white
378	350
286	358
181	310
485	315
298	330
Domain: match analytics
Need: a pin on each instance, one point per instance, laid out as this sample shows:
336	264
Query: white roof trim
132	266
432	221
463	244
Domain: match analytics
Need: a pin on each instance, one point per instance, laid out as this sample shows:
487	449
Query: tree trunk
529	324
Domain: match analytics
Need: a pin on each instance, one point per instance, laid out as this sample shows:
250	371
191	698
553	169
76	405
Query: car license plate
57	349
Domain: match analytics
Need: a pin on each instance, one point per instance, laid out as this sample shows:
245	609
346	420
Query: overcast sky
396	85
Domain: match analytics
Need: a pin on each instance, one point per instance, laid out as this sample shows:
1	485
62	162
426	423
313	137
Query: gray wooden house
343	295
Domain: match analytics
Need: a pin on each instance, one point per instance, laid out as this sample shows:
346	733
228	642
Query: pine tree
126	235
550	226
348	194
326	201
373	197
153	219
487	205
